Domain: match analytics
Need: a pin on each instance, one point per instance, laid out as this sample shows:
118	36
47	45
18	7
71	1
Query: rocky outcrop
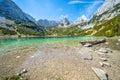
108	10
3	20
10	10
64	22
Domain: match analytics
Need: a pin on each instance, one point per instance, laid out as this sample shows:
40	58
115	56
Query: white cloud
82	2
74	2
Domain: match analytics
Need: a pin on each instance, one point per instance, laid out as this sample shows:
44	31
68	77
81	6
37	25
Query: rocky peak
108	10
107	5
10	10
64	22
81	19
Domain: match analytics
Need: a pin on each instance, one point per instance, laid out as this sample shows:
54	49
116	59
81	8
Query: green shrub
14	77
27	31
111	27
5	31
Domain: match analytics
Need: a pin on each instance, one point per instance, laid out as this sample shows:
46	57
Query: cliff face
108	10
10	10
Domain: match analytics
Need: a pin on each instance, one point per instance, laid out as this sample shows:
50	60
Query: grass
14	77
4	31
111	27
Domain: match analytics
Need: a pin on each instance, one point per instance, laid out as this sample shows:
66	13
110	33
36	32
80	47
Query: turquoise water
16	43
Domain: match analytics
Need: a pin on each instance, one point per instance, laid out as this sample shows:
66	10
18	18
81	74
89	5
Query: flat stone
100	53
105	50
18	57
103	59
105	64
86	54
101	64
88	45
102	75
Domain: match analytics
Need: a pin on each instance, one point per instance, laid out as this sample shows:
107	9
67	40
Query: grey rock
108	10
103	59
3	20
105	50
22	71
88	45
102	75
105	64
86	54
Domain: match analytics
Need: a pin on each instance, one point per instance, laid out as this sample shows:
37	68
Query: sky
58	9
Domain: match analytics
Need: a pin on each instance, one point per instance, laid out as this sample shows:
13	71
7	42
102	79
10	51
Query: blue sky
57	9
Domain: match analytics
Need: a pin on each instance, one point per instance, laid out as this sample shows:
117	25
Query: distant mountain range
105	22
81	19
50	23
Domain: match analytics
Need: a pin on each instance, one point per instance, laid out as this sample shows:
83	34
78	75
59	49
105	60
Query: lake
55	58
15	43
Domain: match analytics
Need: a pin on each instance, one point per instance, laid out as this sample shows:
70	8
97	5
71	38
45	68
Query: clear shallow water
16	43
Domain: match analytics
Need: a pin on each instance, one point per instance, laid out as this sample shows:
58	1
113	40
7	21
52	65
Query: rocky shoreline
63	61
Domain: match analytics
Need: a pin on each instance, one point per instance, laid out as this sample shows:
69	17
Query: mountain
13	21
50	23
10	10
106	21
47	23
107	11
30	18
80	20
64	22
